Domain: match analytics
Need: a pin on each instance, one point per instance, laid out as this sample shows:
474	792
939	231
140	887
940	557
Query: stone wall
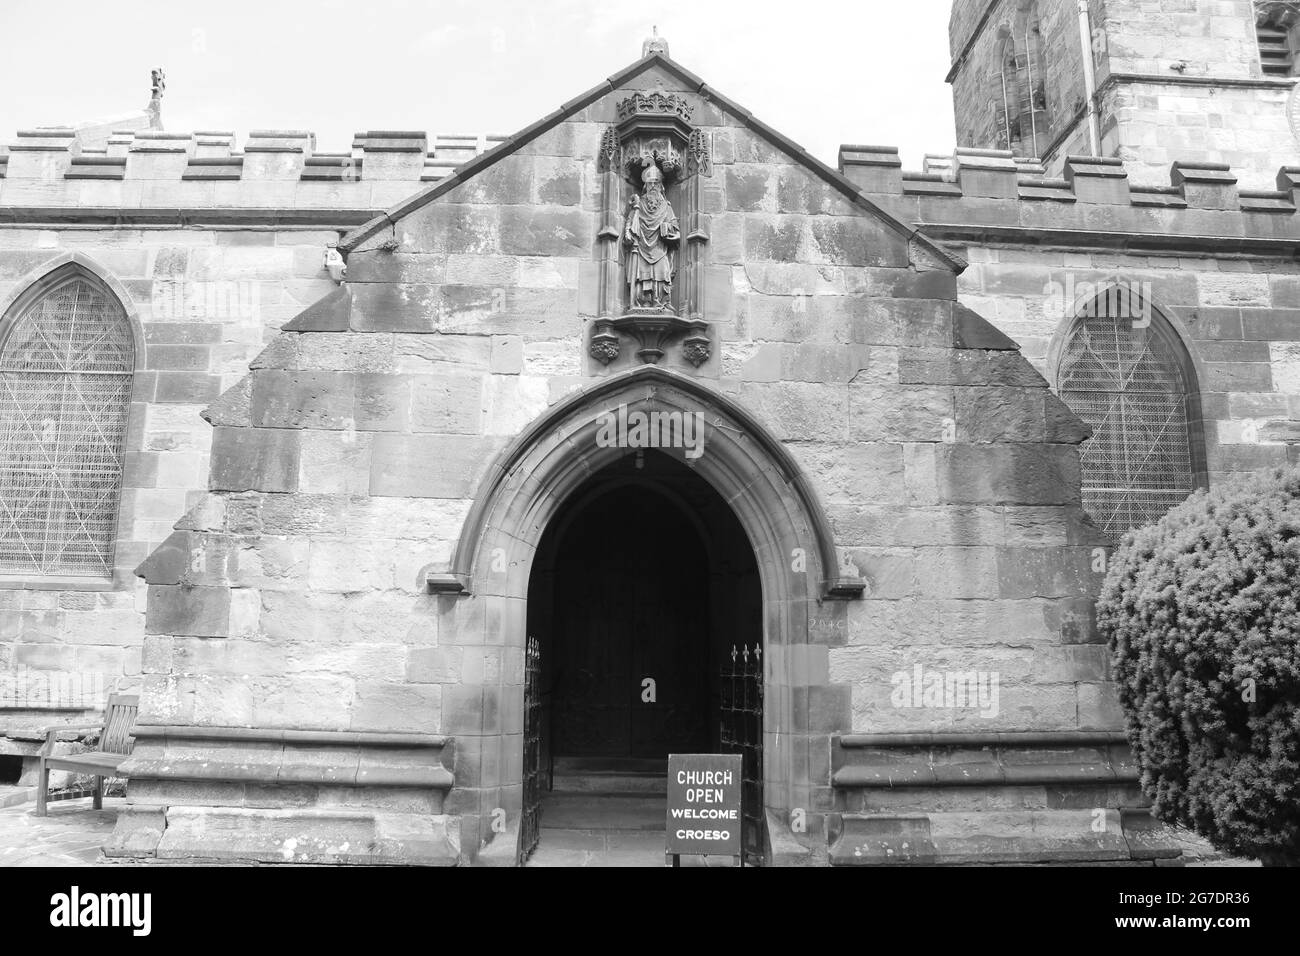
203	302
209	286
1216	260
343	468
291	619
210	250
975	42
1182	82
1176	81
1151	125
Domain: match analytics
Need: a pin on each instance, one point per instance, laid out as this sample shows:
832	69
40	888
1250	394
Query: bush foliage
1202	614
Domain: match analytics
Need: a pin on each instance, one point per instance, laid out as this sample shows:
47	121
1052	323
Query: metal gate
742	732
531	817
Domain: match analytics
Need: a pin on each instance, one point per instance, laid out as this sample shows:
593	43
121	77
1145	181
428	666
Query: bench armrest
52	734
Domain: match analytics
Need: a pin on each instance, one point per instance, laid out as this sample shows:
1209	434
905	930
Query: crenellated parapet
56	167
984	194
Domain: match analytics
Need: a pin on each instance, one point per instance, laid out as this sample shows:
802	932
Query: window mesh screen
65	388
1128	384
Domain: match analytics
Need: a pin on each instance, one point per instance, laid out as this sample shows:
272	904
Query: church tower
1148	81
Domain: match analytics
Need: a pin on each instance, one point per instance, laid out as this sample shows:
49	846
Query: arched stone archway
774	504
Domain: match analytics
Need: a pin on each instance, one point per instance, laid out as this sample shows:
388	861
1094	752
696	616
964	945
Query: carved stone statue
651	235
157	85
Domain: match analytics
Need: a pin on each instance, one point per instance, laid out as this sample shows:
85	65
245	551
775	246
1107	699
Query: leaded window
1127	375
66	366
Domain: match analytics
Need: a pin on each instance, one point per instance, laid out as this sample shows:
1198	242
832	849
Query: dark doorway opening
11	769
644	584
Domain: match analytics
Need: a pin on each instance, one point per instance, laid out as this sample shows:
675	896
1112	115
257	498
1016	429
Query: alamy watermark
946	689
75	909
179	299
638	429
39	690
1123	299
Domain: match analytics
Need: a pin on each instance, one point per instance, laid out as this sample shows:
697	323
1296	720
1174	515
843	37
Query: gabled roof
529	133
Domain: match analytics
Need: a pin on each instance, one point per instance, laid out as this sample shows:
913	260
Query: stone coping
1011	738
985	837
172	218
1026	758
328	738
251	755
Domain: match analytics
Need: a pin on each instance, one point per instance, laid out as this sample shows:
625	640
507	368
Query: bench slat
88	761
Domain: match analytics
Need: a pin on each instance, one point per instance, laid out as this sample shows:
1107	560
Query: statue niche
651	235
651	275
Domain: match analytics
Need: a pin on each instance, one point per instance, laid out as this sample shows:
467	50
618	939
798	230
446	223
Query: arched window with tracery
1124	370
67	358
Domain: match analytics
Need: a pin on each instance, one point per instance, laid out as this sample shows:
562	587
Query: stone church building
410	485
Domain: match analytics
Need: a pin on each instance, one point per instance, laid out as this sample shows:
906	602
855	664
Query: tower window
1020	118
1277	27
66	366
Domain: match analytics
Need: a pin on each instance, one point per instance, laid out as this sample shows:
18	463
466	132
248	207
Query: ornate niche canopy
651	235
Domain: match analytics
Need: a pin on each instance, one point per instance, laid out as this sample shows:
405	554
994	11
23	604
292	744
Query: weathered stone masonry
210	250
332	669
347	460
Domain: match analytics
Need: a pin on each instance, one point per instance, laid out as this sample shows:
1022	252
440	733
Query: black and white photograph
591	434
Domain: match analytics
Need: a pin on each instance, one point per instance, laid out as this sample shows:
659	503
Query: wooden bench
114	746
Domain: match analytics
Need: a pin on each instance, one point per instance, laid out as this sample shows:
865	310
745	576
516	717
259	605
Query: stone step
610	783
588	811
609	776
611	765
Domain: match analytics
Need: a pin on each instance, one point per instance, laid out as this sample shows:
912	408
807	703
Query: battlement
992	192
55	166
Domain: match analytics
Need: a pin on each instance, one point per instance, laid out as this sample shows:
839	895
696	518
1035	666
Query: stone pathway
606	830
584	831
71	835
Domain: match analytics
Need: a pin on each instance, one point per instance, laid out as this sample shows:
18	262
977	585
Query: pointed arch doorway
762	486
644	583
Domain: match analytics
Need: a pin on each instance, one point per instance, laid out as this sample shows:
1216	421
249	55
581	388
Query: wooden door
631	605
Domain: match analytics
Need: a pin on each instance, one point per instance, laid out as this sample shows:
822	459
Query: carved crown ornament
655	104
651	286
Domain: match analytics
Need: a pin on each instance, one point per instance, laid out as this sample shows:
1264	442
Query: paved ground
605	830
70	836
628	835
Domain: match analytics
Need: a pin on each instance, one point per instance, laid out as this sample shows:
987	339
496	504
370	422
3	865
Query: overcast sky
822	72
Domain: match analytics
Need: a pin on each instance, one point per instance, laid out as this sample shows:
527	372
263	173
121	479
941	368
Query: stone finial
157	86
654	44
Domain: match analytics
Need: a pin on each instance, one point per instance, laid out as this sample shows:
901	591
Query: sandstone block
334	463
434	665
254	459
397	708
1007	474
189	611
900	413
444	227
1046	572
541	231
429	466
394	307
446	404
381	402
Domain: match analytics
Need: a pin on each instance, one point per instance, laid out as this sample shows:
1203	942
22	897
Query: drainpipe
1089	78
1006	113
